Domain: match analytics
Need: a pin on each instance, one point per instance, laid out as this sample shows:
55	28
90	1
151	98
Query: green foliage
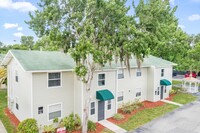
72	122
55	120
184	98
28	126
118	116
49	128
146	115
128	107
27	41
3	117
91	126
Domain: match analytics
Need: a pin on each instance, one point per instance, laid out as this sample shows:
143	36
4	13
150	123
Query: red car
194	75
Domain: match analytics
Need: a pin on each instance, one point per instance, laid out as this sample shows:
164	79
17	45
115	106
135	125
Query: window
16	76
138	73
54	111
17	105
120	96
92	108
109	105
165	89
54	79
101	79
120	74
40	110
138	92
157	92
162	72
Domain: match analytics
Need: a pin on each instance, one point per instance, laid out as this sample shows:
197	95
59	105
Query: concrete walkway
112	126
170	102
2	128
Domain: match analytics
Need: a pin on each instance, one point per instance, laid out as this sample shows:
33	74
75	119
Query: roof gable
54	60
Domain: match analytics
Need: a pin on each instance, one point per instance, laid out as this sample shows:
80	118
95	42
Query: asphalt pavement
185	119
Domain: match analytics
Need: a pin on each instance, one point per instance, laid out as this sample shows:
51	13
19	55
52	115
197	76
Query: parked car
194	75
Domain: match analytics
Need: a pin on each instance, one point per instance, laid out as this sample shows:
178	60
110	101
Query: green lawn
3	104
184	98
175	82
146	115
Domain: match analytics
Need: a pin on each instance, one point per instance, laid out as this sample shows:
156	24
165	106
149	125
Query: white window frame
49	112
40	111
138	93
101	79
16	76
162	72
120	71
54	79
120	96
93	107
157	91
109	104
138	73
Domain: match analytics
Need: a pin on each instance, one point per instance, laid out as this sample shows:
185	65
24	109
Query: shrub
127	109
28	126
55	120
72	122
138	103
118	116
91	126
49	129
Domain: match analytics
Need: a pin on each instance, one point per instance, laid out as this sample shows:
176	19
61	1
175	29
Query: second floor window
16	76
162	72
120	74
138	73
101	79
54	79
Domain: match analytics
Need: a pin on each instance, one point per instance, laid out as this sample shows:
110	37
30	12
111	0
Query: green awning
165	82
104	95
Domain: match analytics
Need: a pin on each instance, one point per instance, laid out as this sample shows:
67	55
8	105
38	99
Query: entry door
161	92
101	110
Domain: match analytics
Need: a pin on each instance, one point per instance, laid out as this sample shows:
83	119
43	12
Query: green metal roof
43	60
54	60
104	95
165	82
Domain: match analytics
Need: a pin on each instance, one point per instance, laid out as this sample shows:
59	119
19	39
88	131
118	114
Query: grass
175	82
5	120
106	130
183	98
146	115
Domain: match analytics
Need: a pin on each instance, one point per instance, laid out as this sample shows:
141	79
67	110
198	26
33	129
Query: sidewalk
112	126
2	128
170	102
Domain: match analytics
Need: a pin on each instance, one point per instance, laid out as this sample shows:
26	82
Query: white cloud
18	34
19	28
20	6
172	2
181	26
8	25
194	17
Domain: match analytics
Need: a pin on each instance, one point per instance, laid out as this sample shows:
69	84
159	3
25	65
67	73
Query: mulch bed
12	117
99	128
146	104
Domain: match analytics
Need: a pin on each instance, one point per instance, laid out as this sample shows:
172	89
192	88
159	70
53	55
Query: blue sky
14	13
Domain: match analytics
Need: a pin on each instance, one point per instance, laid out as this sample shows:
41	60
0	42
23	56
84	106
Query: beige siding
19	91
130	83
150	83
110	84
44	96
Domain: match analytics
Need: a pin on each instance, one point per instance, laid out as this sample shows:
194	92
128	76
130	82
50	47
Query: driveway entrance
183	120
